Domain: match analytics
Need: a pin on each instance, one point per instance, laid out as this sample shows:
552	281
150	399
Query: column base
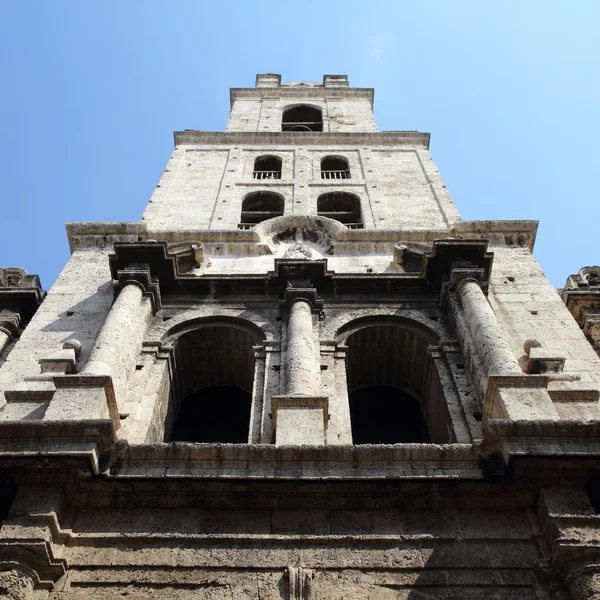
300	420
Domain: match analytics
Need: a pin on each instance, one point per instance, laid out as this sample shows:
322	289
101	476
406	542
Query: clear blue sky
91	92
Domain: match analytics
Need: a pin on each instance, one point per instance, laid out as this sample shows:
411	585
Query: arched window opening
342	207
215	373
302	118
334	167
260	206
267	167
403	422
394	389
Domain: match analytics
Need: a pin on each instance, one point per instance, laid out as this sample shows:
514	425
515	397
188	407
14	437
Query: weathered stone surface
151	322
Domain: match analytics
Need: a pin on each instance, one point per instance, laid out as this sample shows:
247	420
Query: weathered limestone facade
300	376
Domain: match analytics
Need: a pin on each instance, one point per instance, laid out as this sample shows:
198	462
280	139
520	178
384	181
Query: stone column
119	341
15	584
300	416
303	370
5	339
493	349
506	392
10	323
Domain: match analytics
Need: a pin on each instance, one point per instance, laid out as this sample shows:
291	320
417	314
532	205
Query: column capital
10	323
461	275
308	294
140	275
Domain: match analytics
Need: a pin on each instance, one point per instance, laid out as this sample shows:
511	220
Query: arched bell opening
341	206
394	389
260	206
335	167
267	167
302	118
215	374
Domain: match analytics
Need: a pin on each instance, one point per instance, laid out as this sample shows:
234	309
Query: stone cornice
302	138
296	92
102	235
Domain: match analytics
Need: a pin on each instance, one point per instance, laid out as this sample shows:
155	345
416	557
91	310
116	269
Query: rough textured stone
271	329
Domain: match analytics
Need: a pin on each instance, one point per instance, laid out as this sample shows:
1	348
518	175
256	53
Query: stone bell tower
299	376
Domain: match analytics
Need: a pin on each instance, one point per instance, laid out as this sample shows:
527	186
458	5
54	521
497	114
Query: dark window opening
334	167
267	167
260	206
386	415
593	492
8	491
302	118
342	207
394	390
213	392
214	414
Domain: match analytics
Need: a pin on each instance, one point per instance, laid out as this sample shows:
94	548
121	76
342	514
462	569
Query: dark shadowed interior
214	414
386	415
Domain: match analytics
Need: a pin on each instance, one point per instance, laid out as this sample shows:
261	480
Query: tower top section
302	106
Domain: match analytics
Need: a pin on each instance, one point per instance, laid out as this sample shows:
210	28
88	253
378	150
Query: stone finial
74	345
530	343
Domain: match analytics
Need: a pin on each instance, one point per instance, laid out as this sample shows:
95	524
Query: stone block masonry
346	392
